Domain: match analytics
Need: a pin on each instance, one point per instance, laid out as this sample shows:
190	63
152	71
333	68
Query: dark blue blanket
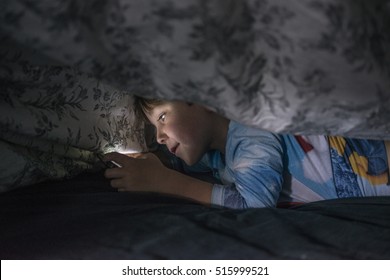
83	218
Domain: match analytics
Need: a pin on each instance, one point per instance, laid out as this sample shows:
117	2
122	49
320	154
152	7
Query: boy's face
186	129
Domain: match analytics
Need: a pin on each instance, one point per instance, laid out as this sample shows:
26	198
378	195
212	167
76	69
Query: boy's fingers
137	155
112	173
125	160
121	159
116	184
113	156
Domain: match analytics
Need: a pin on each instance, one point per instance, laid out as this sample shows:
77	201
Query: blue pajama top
263	169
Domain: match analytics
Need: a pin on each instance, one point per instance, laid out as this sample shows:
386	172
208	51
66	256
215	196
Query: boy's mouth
173	149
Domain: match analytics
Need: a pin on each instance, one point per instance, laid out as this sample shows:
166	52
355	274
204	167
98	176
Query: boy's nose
161	137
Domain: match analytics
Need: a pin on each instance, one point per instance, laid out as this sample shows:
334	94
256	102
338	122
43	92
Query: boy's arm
146	173
255	163
187	186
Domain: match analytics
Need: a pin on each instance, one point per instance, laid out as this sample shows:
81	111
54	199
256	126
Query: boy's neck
220	133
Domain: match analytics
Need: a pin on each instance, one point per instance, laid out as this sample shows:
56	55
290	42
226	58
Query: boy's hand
145	172
139	172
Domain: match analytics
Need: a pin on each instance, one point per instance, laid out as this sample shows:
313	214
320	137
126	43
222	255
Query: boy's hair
142	106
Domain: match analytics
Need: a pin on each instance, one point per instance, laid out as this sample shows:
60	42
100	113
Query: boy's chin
190	157
190	161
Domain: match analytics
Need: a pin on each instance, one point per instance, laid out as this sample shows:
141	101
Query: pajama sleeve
255	163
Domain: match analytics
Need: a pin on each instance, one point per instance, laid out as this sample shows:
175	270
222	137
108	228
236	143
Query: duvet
69	69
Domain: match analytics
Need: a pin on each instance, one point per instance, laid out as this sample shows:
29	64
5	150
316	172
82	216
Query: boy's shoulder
242	139
239	132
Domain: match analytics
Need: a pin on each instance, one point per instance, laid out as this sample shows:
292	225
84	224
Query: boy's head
142	106
188	130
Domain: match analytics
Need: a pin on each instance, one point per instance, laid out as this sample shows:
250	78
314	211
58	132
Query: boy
254	168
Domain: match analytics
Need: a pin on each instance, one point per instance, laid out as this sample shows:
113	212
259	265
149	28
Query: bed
68	73
83	218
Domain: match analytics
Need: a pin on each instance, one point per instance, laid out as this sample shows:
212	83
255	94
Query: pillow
54	119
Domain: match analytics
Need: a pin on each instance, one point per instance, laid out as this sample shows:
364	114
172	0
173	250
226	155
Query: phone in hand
108	164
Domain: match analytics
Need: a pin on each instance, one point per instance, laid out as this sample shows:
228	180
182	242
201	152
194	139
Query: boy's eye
162	117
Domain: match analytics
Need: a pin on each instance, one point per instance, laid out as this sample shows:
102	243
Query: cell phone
108	164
